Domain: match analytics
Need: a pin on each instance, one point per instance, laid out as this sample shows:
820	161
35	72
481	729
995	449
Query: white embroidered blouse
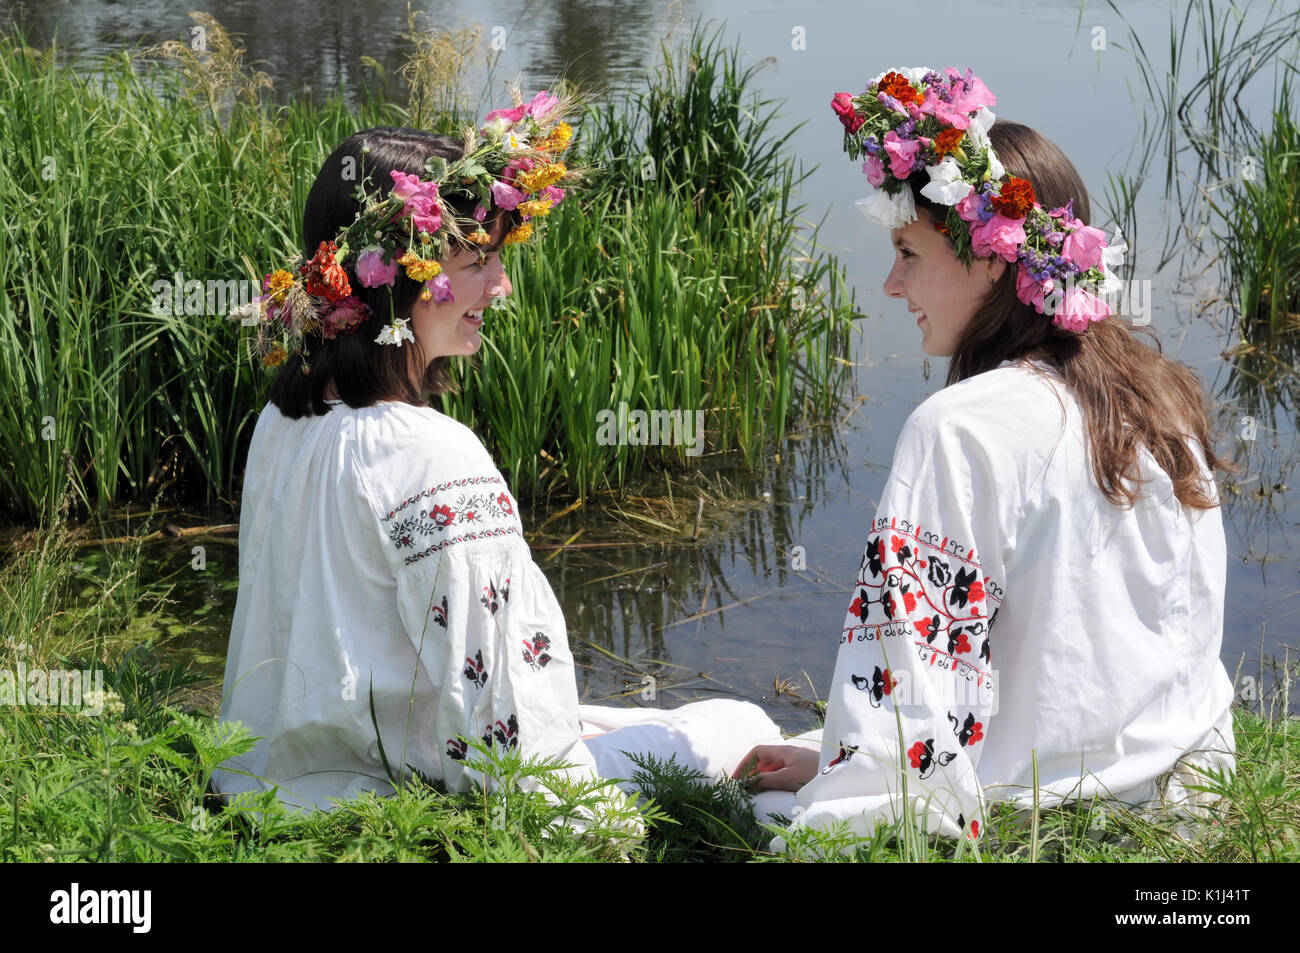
381	556
1005	609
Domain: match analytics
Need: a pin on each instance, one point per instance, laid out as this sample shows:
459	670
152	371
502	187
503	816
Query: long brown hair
1130	394
363	371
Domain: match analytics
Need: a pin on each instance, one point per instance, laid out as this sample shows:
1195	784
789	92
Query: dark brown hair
1130	394
363	371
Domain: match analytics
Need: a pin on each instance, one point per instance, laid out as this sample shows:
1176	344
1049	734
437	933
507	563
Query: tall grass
681	282
126	171
114	180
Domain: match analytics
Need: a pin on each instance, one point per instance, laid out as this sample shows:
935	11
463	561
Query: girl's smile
937	285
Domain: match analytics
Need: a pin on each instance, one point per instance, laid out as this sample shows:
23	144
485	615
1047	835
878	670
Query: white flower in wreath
978	130
996	169
946	186
1112	256
889	211
395	333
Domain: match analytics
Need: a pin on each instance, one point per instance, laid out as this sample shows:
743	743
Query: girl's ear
996	266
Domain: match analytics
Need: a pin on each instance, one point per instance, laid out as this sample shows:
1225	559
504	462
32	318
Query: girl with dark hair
1041	595
390	616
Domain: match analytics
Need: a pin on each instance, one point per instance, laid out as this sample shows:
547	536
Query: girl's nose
893	284
501	288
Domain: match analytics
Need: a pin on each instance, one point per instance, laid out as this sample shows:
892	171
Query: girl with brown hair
1041	594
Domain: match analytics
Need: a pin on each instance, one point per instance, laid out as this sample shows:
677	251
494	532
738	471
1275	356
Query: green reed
1230	180
680	283
668	295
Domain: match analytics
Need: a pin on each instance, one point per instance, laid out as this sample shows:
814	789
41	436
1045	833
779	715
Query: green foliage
123	173
708	821
678	281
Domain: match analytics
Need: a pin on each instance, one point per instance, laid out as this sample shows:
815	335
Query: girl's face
451	329
939	289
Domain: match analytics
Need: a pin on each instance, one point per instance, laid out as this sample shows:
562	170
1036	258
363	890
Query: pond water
774	637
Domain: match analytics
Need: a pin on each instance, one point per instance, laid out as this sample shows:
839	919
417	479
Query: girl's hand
778	767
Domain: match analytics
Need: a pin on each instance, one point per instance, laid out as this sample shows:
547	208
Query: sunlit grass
141	168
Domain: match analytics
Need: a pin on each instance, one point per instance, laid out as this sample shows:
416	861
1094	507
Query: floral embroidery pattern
922	757
474	670
969	732
940	597
507	735
974	831
880	684
846	753
439	613
535	653
424	523
492	599
504	733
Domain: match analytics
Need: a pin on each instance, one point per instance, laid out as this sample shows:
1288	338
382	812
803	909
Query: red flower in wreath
325	276
442	515
976	733
503	501
976	591
842	103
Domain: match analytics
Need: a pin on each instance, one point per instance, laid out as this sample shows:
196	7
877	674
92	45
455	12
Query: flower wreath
511	162
913	119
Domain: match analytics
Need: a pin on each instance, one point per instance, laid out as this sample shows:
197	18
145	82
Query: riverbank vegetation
129	783
691	286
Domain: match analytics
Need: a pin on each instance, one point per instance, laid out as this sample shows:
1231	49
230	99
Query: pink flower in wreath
371	270
998	236
420	201
1083	246
875	170
1079	309
902	154
1032	291
503	501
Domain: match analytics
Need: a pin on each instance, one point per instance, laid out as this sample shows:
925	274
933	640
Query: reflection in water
305	48
718	616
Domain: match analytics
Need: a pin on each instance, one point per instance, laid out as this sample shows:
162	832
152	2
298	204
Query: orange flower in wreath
1016	198
897	85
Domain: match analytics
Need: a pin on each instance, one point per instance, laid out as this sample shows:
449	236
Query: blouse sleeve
492	639
913	688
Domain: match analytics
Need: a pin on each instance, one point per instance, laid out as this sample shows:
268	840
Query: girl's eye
905	253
